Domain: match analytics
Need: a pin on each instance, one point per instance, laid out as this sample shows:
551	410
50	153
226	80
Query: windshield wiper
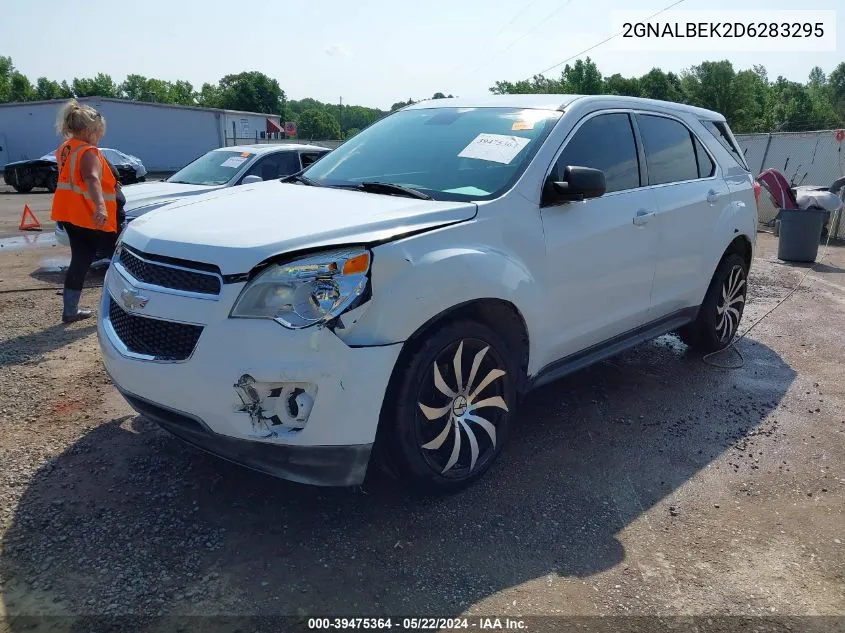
298	177
389	187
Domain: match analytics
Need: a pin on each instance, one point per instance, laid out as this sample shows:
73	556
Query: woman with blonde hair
85	201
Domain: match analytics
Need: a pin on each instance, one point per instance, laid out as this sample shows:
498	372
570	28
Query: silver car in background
217	169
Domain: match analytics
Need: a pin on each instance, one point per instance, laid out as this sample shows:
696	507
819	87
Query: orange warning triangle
29	225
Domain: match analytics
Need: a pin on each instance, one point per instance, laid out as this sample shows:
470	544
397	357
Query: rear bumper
315	465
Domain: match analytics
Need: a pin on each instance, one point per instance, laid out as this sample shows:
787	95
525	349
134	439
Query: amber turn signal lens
356	265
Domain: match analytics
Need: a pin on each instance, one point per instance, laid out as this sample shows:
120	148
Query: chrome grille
167	275
162	340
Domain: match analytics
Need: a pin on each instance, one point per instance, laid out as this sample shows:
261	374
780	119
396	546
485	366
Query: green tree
619	85
738	96
401	104
351	132
157	91
133	88
46	89
209	96
6	70
836	81
252	92
583	78
538	84
67	91
317	124
791	107
100	86
140	88
182	93
822	100
21	88
752	88
351	116
656	84
440	95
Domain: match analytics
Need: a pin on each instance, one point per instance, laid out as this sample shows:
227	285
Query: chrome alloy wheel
454	410
731	303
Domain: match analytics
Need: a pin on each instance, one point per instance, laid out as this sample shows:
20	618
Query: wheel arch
742	246
497	314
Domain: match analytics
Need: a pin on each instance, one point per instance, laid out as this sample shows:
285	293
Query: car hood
31	161
144	197
239	227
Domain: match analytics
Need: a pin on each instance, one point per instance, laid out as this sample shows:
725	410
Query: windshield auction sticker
497	148
234	161
704	31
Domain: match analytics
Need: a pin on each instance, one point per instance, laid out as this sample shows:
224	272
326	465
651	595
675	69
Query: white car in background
217	169
400	296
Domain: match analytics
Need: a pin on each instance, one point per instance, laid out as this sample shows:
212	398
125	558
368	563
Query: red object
290	128
31	225
778	186
840	134
273	127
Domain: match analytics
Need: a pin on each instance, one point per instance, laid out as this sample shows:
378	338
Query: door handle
712	197
642	217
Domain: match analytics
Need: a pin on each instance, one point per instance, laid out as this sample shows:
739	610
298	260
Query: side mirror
248	180
579	183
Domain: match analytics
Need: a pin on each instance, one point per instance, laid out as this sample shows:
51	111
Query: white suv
398	297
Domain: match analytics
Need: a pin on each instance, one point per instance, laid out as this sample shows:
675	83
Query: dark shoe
80	314
71	312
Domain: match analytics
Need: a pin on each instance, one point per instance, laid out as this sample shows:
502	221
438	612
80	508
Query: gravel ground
652	484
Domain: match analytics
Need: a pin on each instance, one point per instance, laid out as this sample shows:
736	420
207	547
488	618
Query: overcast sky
369	52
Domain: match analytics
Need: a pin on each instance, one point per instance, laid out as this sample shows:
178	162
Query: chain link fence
805	158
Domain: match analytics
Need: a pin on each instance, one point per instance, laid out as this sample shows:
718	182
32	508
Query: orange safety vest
71	202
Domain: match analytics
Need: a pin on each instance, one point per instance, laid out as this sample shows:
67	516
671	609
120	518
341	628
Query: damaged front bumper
316	465
300	405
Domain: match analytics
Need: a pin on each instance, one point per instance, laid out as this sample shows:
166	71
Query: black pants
85	244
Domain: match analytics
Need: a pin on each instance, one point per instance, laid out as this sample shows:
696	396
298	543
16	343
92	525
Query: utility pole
284	116
341	118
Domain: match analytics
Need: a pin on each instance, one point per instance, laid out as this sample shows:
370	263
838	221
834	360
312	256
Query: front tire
451	409
720	313
23	188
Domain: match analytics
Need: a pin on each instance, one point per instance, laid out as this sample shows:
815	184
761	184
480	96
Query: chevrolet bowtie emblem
132	299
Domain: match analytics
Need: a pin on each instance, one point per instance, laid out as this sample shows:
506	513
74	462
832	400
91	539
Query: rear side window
706	166
275	166
669	150
723	134
604	142
309	158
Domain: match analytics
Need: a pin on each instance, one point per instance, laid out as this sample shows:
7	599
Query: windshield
215	168
447	153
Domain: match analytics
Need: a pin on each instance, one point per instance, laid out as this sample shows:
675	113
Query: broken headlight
307	291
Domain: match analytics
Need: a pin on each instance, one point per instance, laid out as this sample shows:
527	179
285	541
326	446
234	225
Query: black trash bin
799	234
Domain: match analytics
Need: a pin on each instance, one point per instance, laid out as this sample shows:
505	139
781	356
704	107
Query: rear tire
23	188
720	313
436	437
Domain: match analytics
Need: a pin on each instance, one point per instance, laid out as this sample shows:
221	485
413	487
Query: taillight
757	189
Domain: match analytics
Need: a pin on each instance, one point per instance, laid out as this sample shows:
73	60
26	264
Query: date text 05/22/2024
418	624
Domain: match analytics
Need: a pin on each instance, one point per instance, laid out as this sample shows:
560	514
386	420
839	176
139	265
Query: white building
165	137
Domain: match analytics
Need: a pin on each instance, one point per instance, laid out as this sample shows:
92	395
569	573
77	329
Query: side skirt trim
612	347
